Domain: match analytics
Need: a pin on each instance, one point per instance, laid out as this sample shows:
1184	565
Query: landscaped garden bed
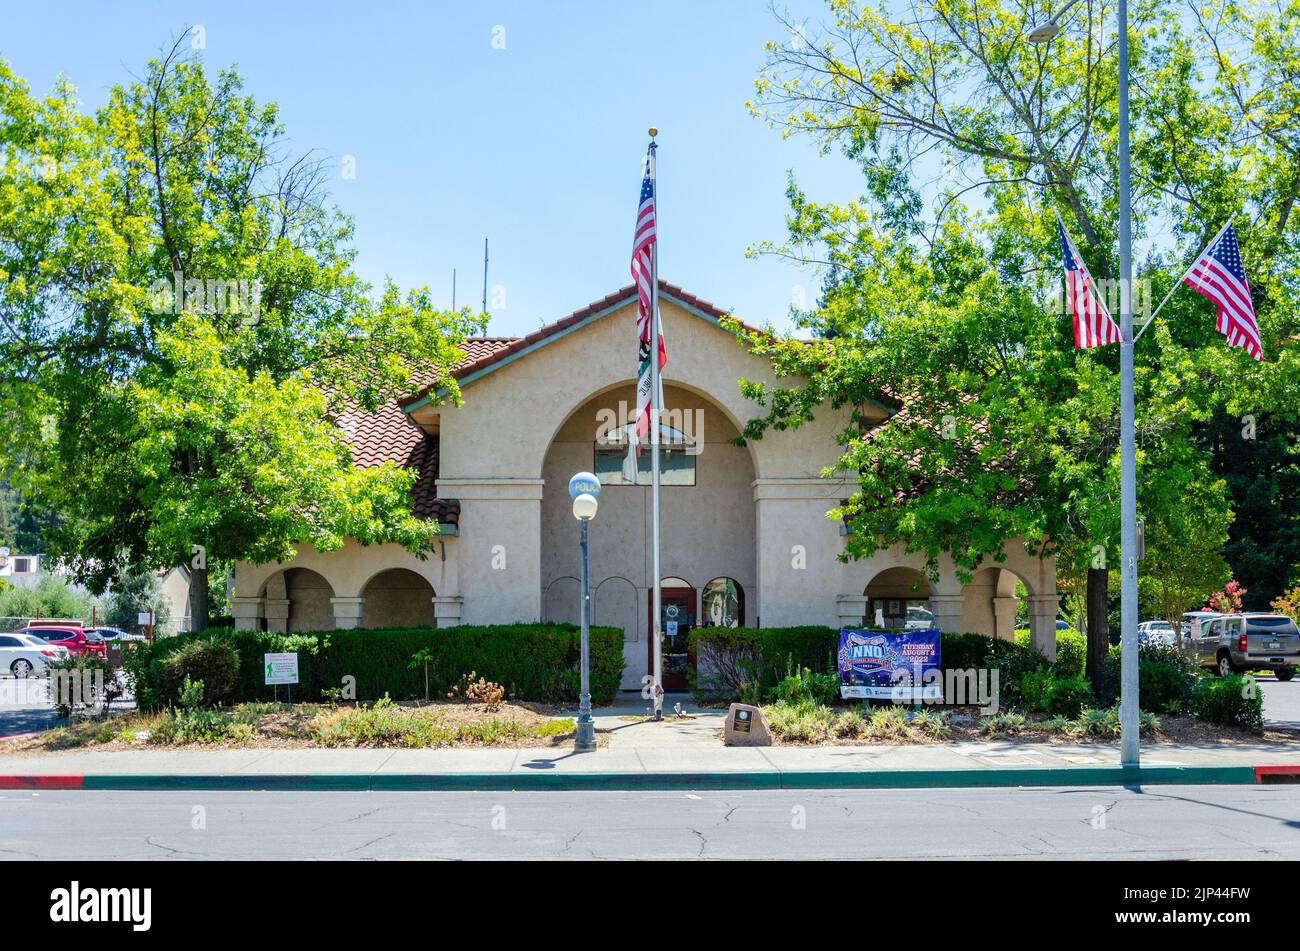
283	725
811	724
791	674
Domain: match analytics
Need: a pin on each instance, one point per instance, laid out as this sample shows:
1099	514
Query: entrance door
677	618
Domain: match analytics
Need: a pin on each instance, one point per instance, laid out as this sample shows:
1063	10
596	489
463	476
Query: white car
1155	632
20	654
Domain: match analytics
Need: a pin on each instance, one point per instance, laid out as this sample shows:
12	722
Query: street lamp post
584	488
1128	707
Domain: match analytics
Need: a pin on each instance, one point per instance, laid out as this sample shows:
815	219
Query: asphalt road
1281	702
1220	822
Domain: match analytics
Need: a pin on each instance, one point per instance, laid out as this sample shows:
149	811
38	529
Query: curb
631	782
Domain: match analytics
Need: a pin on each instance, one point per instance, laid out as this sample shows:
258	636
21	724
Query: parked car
919	619
114	634
21	654
1236	643
1192	621
1155	632
75	639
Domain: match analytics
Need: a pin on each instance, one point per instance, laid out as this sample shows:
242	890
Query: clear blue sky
536	146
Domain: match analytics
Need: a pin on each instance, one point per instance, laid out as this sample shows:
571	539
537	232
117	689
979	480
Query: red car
76	640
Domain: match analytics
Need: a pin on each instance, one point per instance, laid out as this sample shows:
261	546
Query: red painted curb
1286	773
42	782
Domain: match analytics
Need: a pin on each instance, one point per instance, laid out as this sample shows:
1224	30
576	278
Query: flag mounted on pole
1093	325
645	278
1219	275
650	392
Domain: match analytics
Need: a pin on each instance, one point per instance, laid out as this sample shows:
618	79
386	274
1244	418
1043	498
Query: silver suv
1235	643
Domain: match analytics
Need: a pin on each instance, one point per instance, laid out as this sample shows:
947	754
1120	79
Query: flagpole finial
653	132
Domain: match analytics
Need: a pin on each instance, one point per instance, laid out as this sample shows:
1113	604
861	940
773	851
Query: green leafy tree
51	597
133	594
1005	430
180	428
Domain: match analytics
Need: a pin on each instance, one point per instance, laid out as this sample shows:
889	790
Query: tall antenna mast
485	262
453	288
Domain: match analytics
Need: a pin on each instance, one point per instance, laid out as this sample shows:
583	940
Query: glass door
676	620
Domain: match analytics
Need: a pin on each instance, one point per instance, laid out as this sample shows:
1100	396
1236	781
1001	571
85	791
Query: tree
181	327
135	593
51	597
1007	431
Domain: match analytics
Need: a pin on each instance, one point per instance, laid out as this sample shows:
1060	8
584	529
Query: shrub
210	662
1071	653
1002	724
1034	688
531	661
749	661
1231	701
1096	722
932	723
1165	678
850	724
478	691
1163	687
887	723
76	681
1066	696
805	722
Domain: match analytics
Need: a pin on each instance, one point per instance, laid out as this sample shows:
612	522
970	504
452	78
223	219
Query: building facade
746	538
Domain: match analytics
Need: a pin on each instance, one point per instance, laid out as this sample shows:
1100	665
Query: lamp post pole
1128	706
584	489
585	739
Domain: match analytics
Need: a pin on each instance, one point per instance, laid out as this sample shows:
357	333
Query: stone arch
614	604
298	599
397	597
629	385
561	600
989	601
892	593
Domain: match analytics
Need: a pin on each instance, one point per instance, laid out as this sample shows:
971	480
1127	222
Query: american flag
643	274
1218	274
1093	325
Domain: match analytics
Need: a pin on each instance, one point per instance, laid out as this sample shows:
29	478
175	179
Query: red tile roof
388	435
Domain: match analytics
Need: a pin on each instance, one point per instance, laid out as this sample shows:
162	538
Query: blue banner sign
889	665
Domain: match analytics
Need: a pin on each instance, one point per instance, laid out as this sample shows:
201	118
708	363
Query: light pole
584	489
1128	706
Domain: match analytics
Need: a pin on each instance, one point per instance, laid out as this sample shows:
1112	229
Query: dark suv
1236	643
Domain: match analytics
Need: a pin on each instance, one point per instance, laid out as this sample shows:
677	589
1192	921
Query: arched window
617	463
724	603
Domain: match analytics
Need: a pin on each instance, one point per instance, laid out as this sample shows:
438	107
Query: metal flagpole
1128	706
1179	283
656	404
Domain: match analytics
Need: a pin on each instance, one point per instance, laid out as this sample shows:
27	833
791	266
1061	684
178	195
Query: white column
347	612
248	614
446	611
1042	623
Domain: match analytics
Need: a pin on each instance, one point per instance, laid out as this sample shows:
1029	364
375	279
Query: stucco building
745	533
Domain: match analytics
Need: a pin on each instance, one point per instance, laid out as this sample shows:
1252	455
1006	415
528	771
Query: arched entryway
995	602
298	599
397	597
707	525
898	598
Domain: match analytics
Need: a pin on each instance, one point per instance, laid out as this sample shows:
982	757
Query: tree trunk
1098	599
198	598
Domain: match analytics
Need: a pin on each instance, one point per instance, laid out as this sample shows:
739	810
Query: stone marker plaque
745	727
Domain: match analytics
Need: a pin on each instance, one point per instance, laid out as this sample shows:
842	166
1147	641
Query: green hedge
748	662
536	662
1232	701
